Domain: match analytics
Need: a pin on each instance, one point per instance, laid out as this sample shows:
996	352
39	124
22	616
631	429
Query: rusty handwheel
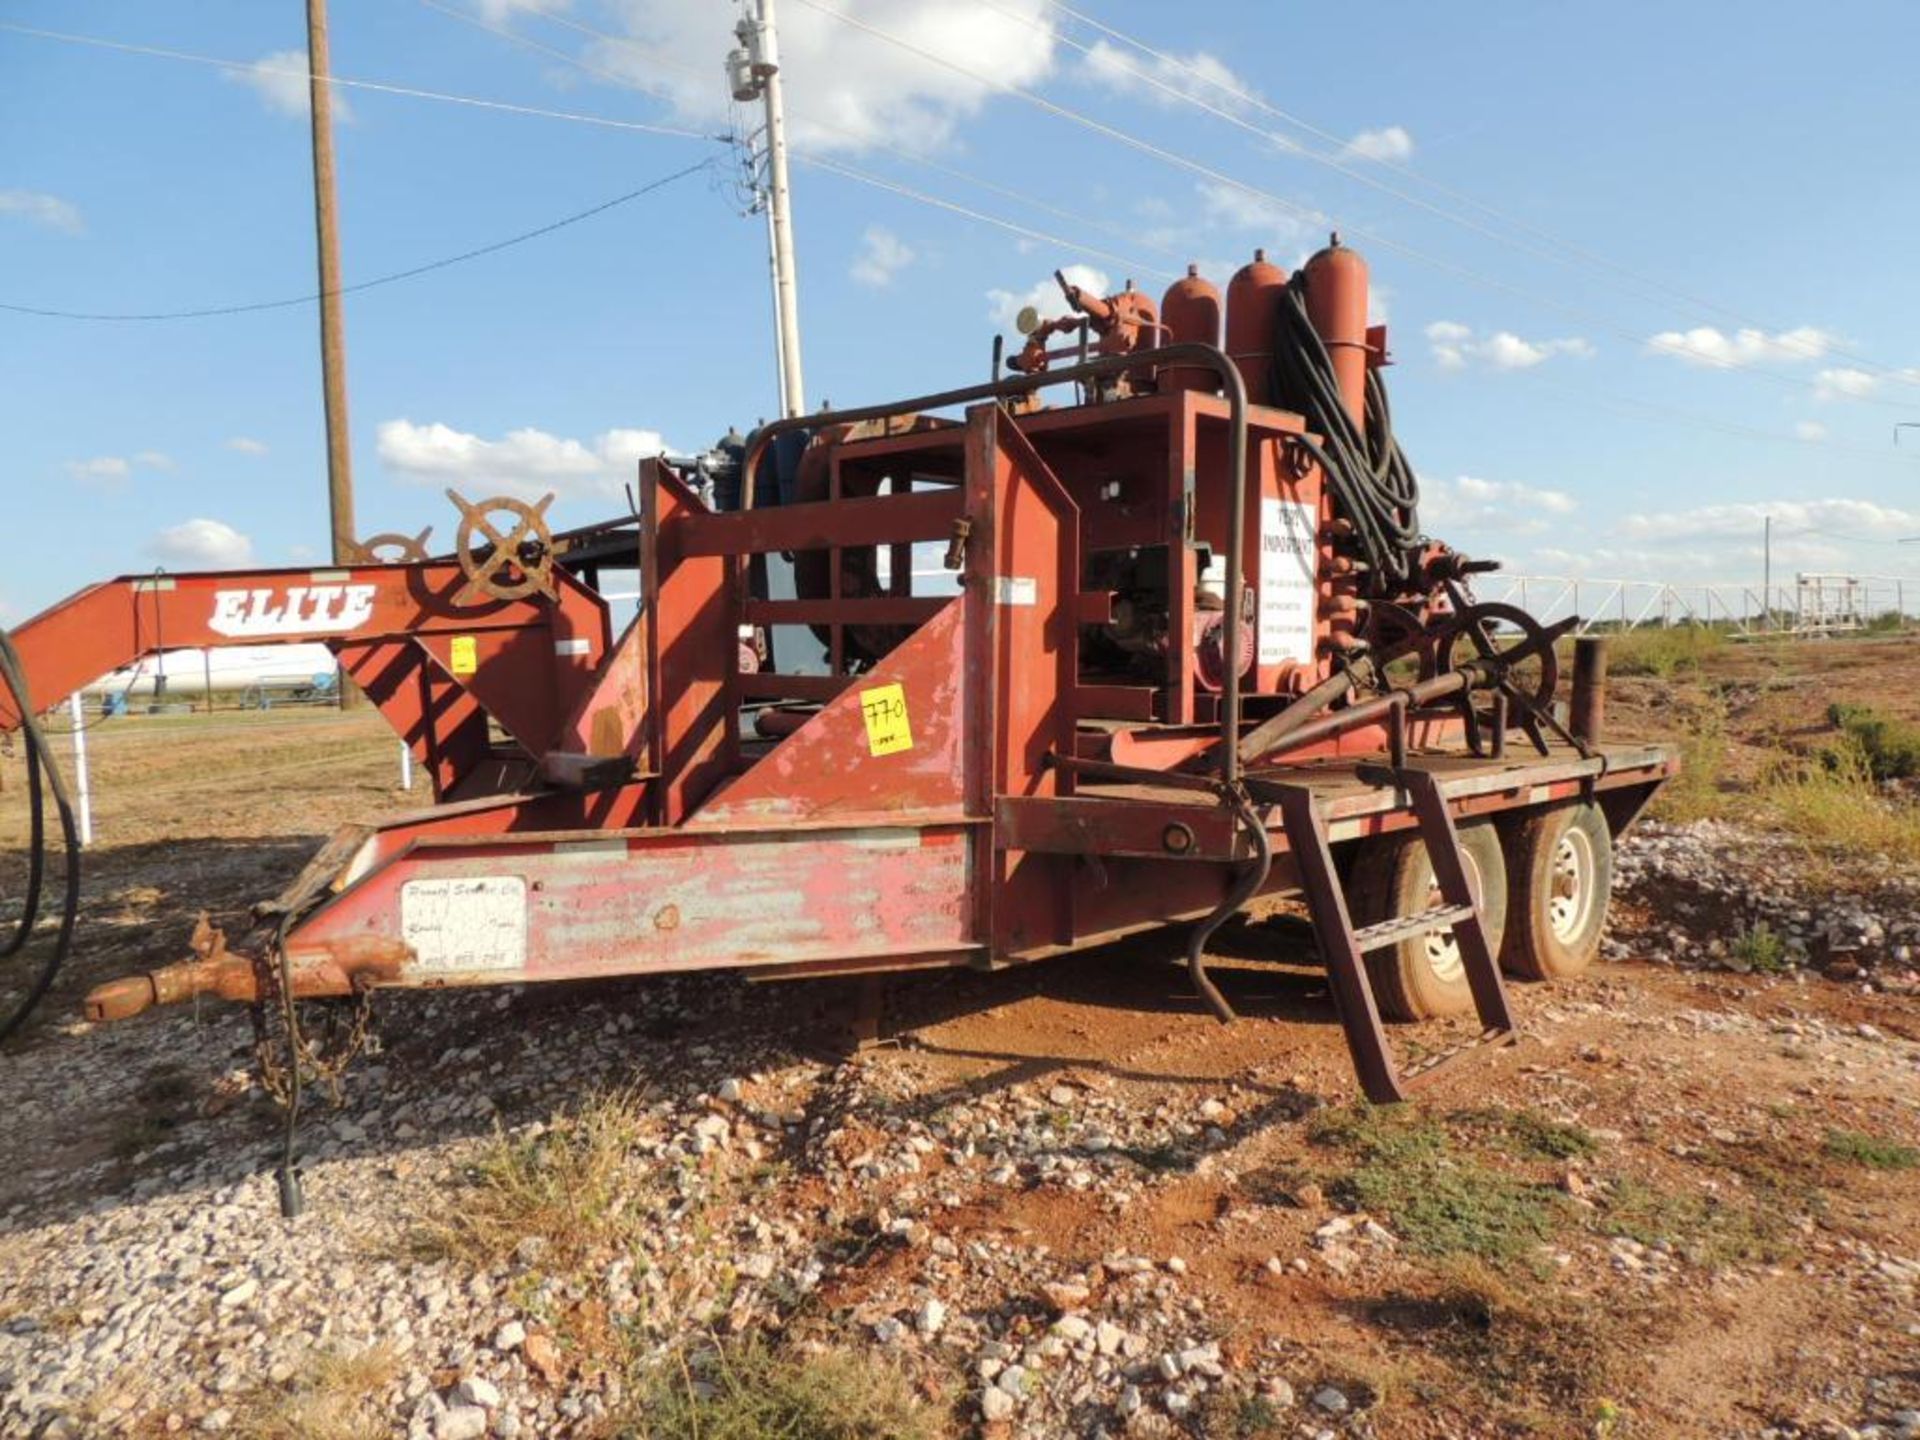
1523	664
1397	633
510	567
390	547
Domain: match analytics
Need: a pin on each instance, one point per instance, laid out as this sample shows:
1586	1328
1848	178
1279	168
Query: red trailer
1190	652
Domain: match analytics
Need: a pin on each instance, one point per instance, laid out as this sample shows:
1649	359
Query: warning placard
463	657
1286	581
885	710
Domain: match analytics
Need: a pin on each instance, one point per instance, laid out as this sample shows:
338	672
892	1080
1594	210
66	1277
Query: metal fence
1810	605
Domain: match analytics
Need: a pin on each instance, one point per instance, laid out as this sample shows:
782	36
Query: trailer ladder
1344	948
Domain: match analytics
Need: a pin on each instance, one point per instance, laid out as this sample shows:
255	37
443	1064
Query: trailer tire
1422	978
1560	867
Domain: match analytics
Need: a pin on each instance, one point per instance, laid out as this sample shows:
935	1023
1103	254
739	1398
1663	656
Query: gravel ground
1064	1202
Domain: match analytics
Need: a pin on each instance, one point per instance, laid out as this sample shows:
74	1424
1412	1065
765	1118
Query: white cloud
43	209
1847	383
1844	383
1717	545
115	469
1746	520
1230	207
1044	295
246	445
100	467
526	462
846	89
282	82
1166	79
1390	142
201	545
881	256
1456	347
1717	349
496	11
1811	430
1470	504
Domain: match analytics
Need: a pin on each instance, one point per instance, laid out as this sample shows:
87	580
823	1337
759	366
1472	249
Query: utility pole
333	335
1766	577
753	72
333	325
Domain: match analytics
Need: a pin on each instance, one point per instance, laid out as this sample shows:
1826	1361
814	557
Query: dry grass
336	1395
1698	792
1545	1361
1662	652
571	1186
1833	800
750	1391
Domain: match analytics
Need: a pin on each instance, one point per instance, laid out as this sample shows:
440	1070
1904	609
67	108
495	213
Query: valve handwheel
510	567
1498	655
390	547
1398	632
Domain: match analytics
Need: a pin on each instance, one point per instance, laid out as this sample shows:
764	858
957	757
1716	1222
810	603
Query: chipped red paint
923	808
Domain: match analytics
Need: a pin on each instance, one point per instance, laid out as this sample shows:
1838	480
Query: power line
912	157
1247	97
1628	404
837	168
820	162
407	274
1185	162
244	67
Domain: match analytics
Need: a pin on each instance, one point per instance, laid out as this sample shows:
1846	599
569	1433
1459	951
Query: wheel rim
1442	947
1570	888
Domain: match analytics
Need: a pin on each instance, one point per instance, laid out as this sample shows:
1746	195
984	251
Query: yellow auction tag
885	710
463	657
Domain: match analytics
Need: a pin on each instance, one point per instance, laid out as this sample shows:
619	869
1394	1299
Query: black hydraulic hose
1373	485
43	774
287	1177
1245	888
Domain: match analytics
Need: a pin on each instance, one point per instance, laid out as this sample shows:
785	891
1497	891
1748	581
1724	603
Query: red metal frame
972	796
528	664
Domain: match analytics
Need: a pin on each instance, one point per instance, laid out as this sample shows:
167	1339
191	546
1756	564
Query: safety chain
277	1049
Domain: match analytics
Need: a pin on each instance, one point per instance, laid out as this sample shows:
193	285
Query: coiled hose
1373	485
43	776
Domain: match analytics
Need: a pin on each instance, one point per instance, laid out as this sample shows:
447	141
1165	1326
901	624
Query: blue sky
1736	178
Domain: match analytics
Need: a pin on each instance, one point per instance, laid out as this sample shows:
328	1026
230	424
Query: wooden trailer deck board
1127	819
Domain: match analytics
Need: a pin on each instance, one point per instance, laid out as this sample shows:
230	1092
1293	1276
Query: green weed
1761	948
1890	747
1441	1202
1857	1148
1706	1230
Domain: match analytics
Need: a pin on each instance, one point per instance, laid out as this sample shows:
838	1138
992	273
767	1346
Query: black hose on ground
43	775
1252	877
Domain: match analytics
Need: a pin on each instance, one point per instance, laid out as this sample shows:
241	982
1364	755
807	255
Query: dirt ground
1769	1291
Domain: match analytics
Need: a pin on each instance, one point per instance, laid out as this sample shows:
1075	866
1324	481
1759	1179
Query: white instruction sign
1286	581
474	922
